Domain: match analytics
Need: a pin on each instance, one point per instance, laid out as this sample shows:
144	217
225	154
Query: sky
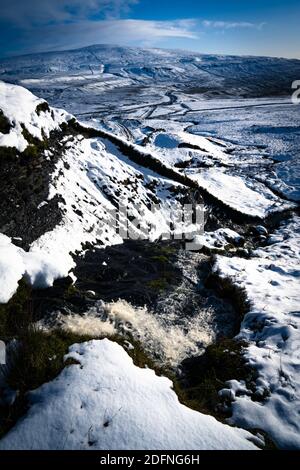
242	27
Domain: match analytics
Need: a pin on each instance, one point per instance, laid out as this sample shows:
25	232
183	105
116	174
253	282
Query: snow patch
106	402
11	268
167	342
38	267
218	239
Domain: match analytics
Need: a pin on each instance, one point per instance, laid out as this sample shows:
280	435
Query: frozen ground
255	200
226	123
105	402
271	279
19	106
92	177
242	103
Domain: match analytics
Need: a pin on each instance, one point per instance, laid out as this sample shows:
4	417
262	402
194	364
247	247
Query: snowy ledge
105	402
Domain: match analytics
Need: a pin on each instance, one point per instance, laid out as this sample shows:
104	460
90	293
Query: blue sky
256	27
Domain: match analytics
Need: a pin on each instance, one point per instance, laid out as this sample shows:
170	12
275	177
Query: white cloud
117	31
232	24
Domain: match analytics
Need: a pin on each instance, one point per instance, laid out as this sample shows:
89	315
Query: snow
234	192
105	402
11	268
161	336
271	281
225	97
49	256
267	135
250	142
205	145
92	166
39	268
169	146
92	176
96	174
61	78
19	106
218	239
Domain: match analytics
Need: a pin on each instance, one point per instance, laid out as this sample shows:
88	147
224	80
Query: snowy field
226	124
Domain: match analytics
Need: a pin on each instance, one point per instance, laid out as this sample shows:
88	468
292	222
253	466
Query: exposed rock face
24	187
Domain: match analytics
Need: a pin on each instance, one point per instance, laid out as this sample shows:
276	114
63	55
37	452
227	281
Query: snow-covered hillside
260	76
89	178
